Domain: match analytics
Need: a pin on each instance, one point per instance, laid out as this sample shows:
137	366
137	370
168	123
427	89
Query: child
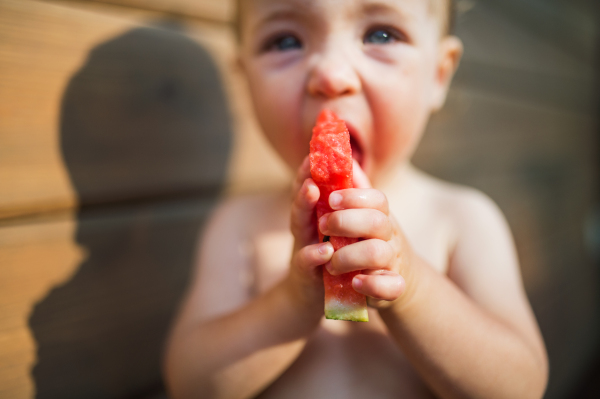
448	316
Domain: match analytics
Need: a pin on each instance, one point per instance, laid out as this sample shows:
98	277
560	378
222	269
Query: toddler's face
381	65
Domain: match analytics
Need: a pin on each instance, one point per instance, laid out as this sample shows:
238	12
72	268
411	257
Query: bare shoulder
462	202
481	251
483	261
223	271
473	214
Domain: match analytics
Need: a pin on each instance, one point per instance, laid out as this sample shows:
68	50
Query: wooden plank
86	299
137	110
216	10
539	163
524	156
507	40
570	25
33	258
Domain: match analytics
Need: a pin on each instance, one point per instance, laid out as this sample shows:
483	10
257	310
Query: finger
359	177
365	223
311	256
355	198
363	255
386	286
302	174
302	215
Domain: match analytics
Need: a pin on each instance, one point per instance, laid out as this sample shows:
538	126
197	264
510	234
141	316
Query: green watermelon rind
347	313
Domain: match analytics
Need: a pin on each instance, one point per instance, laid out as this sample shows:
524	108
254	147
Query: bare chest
349	360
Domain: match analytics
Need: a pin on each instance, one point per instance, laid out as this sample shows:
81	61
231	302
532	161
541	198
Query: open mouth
357	151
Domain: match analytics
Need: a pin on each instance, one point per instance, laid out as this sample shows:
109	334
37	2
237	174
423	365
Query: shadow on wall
145	135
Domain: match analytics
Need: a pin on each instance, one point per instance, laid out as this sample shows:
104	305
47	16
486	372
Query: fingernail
357	283
323	223
328	267
335	200
324	249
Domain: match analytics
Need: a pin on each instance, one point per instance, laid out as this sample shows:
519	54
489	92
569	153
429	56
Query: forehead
259	11
330	8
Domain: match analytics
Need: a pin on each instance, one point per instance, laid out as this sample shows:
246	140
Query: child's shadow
145	135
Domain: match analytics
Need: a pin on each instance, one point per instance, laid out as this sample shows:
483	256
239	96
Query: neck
396	179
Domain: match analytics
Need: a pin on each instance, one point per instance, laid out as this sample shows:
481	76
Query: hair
449	18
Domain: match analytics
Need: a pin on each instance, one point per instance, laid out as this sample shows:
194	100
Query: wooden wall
123	121
521	125
135	115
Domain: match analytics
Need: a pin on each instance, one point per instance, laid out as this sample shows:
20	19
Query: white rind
336	310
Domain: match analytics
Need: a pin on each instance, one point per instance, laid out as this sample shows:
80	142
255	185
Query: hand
306	278
382	255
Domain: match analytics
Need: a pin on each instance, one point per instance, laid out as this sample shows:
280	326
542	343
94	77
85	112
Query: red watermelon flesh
331	169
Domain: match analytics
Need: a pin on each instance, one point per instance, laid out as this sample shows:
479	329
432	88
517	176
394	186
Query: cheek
276	97
400	106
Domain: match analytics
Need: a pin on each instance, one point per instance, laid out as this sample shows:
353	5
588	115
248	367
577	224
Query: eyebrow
280	13
382	8
296	11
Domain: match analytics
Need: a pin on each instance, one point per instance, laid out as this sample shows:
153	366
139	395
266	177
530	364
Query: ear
450	53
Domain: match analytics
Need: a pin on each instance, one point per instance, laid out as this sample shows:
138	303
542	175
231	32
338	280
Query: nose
332	75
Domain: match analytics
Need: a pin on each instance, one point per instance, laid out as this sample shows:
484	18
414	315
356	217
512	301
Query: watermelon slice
331	169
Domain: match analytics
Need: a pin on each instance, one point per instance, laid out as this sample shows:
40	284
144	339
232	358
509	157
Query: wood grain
215	10
52	56
66	73
87	298
34	258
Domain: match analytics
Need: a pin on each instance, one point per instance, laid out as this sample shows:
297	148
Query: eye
383	36
284	42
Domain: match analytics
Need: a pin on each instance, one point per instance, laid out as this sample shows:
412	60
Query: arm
461	349
226	343
470	334
237	355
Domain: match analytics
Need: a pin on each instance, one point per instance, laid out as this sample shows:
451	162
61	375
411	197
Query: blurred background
122	123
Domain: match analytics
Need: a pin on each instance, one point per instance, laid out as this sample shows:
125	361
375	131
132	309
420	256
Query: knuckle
381	291
295	224
379	222
305	257
294	211
379	253
337	263
384	202
333	264
296	205
336	221
300	257
306	252
373	288
295	231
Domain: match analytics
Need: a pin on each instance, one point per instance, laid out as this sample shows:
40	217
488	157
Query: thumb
359	177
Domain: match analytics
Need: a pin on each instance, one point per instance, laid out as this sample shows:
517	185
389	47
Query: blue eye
285	43
381	36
